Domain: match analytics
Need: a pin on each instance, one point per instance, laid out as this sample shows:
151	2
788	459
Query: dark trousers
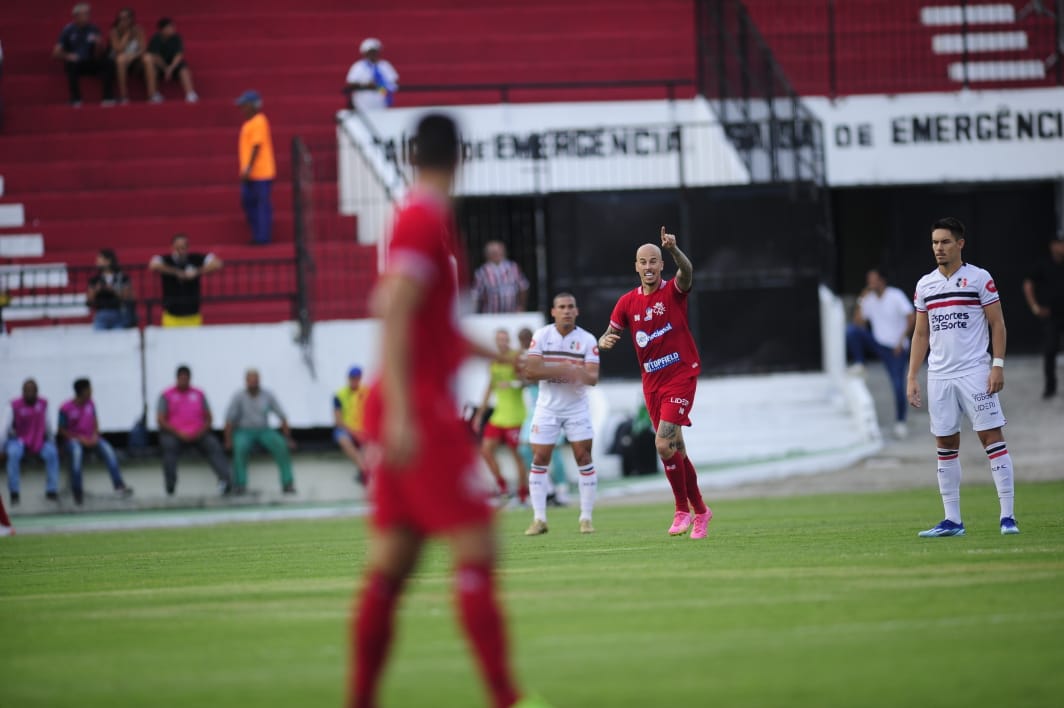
1052	328
255	198
207	445
102	67
859	341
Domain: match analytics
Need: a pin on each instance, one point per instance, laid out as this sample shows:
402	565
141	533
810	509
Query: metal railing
506	91
51	292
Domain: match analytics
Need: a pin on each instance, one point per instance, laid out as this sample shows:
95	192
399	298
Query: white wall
218	357
55	356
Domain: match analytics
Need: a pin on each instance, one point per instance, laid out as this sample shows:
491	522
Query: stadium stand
128	177
830	48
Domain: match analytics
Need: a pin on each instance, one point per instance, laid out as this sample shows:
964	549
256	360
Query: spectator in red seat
371	81
165	59
111	293
81	48
128	44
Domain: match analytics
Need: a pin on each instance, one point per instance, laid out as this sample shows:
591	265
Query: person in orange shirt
257	167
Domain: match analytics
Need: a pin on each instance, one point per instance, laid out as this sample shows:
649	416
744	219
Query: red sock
4	519
522	493
675	473
371	636
694	494
483	624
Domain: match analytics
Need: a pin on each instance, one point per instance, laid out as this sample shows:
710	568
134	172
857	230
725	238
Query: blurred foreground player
656	312
423	474
958	316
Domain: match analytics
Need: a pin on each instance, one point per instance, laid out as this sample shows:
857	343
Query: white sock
1001	470
588	485
537	491
949	483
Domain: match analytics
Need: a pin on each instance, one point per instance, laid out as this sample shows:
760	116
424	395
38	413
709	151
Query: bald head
649	264
647	250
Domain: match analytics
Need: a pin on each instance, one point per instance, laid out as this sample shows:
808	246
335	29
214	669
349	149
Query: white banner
965	136
552	147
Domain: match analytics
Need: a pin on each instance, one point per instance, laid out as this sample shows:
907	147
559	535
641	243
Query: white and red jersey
425	248
959	333
560	395
660	331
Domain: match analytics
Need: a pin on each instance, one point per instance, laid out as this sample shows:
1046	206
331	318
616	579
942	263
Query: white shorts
947	399
547	426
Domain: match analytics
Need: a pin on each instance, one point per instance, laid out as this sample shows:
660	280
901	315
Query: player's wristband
998	362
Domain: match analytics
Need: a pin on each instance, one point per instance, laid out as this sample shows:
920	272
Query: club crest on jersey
574	346
962	282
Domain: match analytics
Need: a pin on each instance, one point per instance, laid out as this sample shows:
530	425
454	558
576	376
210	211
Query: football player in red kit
656	312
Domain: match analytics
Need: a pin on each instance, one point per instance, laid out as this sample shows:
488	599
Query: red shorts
511	437
672	401
439	491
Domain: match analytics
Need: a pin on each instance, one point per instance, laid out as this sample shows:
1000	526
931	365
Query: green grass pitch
808	601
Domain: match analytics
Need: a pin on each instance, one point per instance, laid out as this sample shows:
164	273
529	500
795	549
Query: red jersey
425	248
660	332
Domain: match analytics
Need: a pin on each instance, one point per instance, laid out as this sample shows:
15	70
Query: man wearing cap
347	413
371	81
257	167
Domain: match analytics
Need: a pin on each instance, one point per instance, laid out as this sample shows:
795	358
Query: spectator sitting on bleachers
371	81
79	429
82	50
165	59
247	424
111	293
30	434
128	44
185	421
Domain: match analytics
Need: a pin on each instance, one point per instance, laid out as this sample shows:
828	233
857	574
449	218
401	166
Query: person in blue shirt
81	49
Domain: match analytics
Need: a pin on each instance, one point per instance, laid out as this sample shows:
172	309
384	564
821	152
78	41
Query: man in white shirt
565	359
371	81
890	314
958	317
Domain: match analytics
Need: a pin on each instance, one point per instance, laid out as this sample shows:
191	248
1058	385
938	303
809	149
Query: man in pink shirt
79	430
185	421
29	434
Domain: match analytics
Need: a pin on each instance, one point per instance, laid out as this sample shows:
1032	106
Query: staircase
832	47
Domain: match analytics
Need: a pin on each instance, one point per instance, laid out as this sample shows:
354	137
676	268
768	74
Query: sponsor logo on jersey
990	286
679	401
661	362
948	320
643	339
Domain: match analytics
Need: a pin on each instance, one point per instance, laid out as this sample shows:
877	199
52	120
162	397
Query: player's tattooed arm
609	338
685	272
671	432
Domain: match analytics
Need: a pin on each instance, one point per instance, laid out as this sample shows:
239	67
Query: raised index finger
662	233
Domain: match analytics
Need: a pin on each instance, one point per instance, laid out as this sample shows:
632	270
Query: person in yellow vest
257	167
504	425
347	414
